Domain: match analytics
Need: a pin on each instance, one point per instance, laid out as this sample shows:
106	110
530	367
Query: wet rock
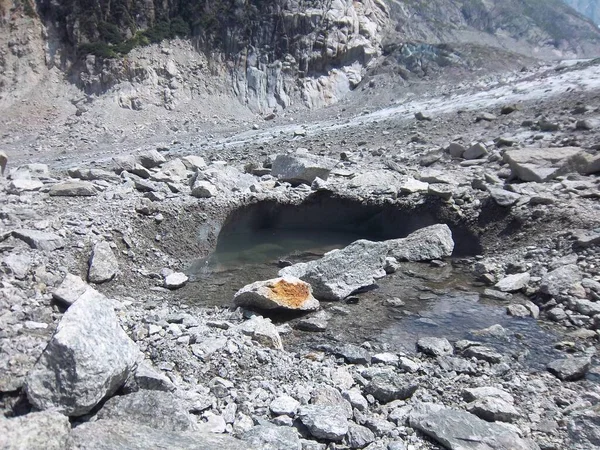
493	409
426	244
359	436
175	280
272	437
125	435
503	197
73	189
88	358
279	293
458	365
559	282
46	430
387	387
513	283
460	430
157	409
483	353
324	422
301	168
262	331
570	369
341	272
71	288
475	151
435	346
284	404
40	240
517	310
353	354
103	263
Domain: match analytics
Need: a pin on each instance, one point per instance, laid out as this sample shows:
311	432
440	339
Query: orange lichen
292	295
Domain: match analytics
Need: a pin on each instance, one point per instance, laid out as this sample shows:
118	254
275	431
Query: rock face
301	168
103	263
88	358
460	430
285	293
341	272
123	435
46	430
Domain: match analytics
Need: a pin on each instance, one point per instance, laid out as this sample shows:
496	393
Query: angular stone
584	427
460	430
435	346
88	358
544	164
570	369
148	378
71	288
324	422
289	293
387	387
475	151
40	240
353	354
125	435
315	322
103	263
262	331
359	436
46	430
284	404
93	174
413	186
493	410
273	437
472	394
513	283
23	185
193	162
425	244
156	409
150	159
204	189
456	150
483	353
301	168
517	310
559	282
175	280
503	197
73	189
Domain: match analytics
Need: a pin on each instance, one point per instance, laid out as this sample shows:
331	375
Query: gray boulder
475	151
46	430
156	409
40	240
359	436
389	386
324	422
544	164
513	283
150	159
272	437
460	430
559	282
88	358
71	288
435	346
103	263
125	435
73	189
146	377
570	369
262	331
301	168
584	427
426	244
503	197
493	410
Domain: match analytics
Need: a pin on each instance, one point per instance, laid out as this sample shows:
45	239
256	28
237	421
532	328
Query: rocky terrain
465	316
589	8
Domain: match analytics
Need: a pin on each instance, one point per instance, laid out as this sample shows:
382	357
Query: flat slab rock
73	189
570	369
460	430
302	167
124	435
40	240
279	293
88	358
324	422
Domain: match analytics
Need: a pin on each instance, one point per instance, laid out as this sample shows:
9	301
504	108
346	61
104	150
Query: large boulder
124	435
88	358
544	164
460	430
324	422
278	293
45	430
560	282
301	168
341	272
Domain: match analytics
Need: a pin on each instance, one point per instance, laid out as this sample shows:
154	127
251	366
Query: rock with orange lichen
279	293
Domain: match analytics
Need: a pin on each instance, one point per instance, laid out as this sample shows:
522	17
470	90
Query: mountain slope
589	8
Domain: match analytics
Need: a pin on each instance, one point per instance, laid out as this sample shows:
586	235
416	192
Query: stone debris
103	263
